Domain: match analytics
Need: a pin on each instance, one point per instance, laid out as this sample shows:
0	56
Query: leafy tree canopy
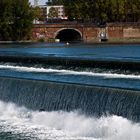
101	10
53	13
16	19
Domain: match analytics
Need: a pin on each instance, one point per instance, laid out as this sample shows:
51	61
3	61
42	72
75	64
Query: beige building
58	8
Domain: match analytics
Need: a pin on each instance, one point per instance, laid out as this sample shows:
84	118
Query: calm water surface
87	51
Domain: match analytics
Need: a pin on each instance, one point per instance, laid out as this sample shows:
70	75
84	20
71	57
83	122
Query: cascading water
53	96
39	101
21	123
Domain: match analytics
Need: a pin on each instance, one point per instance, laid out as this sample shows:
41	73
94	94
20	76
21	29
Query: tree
49	3
38	13
55	2
53	13
102	10
5	19
16	19
22	19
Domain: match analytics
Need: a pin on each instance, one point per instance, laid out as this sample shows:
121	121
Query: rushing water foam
106	75
64	125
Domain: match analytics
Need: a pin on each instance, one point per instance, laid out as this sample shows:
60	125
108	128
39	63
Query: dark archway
69	35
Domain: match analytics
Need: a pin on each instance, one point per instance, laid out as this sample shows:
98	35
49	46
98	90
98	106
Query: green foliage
102	10
37	13
55	2
5	18
53	13
51	40
41	40
16	18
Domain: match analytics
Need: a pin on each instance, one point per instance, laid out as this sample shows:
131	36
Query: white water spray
68	72
64	125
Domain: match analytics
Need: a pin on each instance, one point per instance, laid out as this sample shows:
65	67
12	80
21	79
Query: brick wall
89	33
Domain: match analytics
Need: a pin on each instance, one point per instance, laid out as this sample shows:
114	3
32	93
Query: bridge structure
67	32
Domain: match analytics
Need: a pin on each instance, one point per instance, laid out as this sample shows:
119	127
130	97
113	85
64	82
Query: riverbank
96	41
118	41
15	42
110	41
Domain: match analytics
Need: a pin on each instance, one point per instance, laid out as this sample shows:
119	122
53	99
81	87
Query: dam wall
53	96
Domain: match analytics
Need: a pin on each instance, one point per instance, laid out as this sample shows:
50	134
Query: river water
18	122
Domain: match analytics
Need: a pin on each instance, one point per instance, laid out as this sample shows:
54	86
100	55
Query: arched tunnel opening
69	35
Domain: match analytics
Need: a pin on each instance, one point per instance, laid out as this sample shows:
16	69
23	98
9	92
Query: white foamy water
64	125
68	72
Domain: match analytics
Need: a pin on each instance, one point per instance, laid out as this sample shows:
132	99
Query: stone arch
68	35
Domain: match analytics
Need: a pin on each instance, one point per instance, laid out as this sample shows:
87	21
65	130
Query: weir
72	61
54	96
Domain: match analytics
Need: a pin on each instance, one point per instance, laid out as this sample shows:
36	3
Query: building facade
59	9
56	11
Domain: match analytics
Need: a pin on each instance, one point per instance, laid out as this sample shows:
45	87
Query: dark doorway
69	35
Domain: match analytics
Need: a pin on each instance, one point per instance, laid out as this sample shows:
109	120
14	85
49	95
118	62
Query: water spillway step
73	61
52	96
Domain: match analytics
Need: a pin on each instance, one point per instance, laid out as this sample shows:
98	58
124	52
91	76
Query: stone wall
115	32
131	32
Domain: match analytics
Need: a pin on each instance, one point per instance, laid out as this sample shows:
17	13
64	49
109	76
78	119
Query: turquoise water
86	51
